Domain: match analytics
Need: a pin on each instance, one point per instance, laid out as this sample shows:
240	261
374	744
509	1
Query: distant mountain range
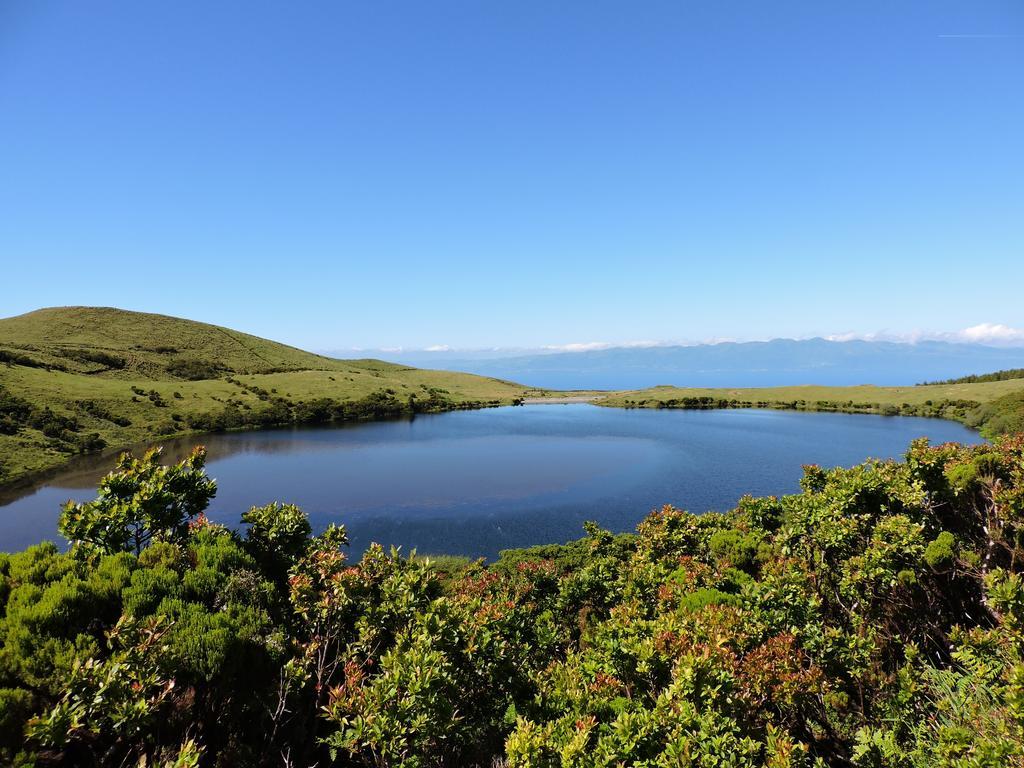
779	362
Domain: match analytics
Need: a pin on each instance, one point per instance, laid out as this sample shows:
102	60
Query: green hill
80	379
103	339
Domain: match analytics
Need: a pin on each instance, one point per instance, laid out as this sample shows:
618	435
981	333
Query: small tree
139	501
278	535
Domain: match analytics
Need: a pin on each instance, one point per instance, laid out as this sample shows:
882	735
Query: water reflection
86	471
478	481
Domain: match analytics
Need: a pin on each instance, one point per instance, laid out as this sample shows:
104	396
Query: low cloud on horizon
988	334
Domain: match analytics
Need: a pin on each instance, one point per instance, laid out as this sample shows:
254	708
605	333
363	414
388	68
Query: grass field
92	365
919	395
146	343
993	407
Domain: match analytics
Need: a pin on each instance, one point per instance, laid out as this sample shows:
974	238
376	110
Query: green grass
147	343
917	395
67	355
991	406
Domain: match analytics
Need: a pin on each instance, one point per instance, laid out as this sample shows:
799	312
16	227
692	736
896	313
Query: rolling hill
80	379
106	340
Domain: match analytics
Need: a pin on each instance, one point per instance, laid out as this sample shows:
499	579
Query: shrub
278	534
138	502
734	548
940	554
97	356
195	370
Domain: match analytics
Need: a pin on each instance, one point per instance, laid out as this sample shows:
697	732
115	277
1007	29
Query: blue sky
383	174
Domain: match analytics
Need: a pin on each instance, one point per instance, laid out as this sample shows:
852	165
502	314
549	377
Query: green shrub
97	356
195	370
139	502
278	535
940	554
734	548
16	705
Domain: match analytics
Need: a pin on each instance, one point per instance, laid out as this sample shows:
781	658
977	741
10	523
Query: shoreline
87	461
567	400
74	461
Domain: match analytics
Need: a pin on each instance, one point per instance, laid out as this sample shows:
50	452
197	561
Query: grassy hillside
132	344
992	406
77	379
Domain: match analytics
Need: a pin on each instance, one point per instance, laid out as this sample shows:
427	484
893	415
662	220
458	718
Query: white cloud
590	346
850	336
908	337
991	334
579	346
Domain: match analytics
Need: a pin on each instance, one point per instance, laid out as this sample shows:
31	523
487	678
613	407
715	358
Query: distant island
775	363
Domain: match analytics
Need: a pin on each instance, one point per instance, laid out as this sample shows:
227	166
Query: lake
476	482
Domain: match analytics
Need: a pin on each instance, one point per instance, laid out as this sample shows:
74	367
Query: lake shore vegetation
991	403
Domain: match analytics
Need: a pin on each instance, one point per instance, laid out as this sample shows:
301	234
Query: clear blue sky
516	173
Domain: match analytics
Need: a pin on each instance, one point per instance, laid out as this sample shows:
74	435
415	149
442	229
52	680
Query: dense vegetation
956	410
77	379
64	433
993	406
874	619
1007	375
1000	416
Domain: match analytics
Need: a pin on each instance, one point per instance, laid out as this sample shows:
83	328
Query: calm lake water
476	482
